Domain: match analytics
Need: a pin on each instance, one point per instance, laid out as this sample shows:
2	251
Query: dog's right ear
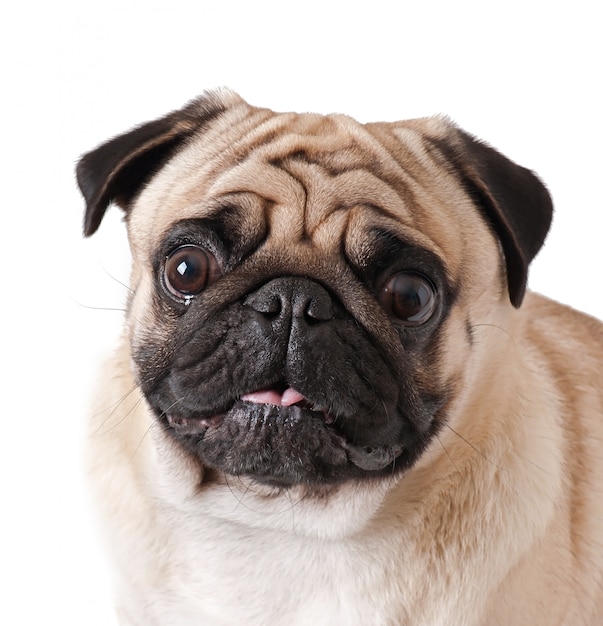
117	170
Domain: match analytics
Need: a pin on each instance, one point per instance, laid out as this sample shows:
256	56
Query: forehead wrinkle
303	194
365	219
366	164
238	135
375	138
260	170
327	192
251	140
263	172
235	164
401	156
226	141
283	194
329	233
277	135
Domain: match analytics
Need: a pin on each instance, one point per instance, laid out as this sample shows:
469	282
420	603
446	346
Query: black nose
300	300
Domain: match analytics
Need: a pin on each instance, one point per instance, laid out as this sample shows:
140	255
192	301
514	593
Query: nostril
312	321
319	310
269	305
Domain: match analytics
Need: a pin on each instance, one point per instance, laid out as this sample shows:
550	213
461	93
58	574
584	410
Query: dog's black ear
117	170
512	199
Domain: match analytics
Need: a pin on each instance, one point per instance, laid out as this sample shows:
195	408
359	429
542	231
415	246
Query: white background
527	77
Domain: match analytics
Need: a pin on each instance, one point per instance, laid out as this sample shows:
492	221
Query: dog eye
409	297
189	270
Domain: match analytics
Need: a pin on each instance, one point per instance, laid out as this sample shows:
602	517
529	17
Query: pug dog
334	401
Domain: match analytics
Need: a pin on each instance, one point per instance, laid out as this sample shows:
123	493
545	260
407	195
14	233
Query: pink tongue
269	396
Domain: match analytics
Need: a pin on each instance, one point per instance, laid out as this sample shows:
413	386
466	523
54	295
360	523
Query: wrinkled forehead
308	179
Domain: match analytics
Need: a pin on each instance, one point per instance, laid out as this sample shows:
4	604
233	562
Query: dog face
305	288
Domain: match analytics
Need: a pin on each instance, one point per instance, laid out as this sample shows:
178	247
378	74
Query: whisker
473	447
248	489
238	498
446	451
114	408
99	308
519	456
152	425
119	282
169	408
495	326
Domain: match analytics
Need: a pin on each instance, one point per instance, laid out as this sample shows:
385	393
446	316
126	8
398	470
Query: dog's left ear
512	199
117	170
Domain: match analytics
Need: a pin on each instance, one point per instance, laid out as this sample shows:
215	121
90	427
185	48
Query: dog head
305	288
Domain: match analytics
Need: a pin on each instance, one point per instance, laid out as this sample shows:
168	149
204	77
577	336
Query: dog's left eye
189	270
408	297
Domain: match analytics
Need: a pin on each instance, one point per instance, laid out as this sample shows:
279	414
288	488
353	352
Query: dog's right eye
188	270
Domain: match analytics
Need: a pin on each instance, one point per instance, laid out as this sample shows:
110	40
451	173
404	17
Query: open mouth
281	395
289	404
